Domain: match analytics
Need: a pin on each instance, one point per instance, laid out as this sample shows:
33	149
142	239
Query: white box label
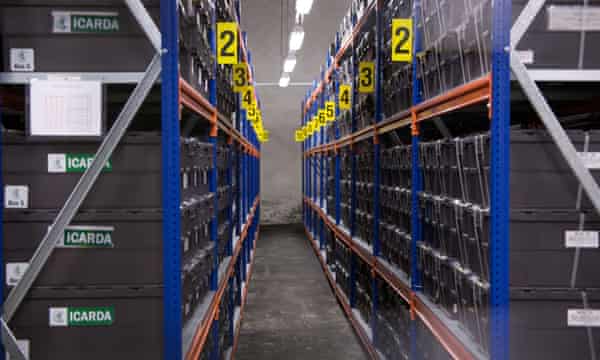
14	272
581	239
573	18
16	197
591	160
57	163
22	60
24	346
58	316
65	108
526	56
583	318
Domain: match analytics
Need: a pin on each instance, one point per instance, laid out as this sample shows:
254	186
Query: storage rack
326	219
201	334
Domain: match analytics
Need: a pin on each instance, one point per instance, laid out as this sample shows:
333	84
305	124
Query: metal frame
452	337
87	180
166	58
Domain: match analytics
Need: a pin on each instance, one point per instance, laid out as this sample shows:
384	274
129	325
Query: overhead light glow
303	6
285	80
296	38
289	64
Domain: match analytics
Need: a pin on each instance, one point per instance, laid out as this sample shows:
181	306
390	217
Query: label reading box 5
82	316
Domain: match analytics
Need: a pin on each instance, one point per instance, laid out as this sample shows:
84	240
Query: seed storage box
550	325
99	248
42	174
108	323
73	36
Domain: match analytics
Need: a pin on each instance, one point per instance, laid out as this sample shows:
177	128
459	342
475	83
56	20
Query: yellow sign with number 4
345	97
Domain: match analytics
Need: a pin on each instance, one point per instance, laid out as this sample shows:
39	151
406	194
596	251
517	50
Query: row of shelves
187	108
477	92
454	340
244	248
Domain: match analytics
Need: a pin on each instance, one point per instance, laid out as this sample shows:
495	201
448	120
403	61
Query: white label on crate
14	272
526	56
58	316
16	197
24	346
22	60
86	237
57	163
583	318
581	239
65	108
591	160
573	18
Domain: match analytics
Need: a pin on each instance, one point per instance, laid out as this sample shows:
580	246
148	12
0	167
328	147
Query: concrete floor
291	312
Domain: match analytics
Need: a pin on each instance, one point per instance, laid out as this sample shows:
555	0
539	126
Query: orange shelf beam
339	55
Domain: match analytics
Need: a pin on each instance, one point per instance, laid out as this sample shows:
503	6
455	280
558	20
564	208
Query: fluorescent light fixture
289	64
296	38
303	6
285	80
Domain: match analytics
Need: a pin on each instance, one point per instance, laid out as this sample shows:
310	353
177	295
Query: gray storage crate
51	170
555	39
99	248
539	256
134	332
540	177
539	327
48	27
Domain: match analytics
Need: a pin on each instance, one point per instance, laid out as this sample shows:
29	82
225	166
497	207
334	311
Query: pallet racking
177	98
324	187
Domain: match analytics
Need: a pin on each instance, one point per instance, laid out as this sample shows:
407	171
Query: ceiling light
303	6
285	80
296	38
289	64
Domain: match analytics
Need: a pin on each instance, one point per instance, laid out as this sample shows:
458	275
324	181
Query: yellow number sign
366	81
227	43
345	97
240	77
402	40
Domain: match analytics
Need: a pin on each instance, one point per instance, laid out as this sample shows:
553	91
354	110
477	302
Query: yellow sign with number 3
240	77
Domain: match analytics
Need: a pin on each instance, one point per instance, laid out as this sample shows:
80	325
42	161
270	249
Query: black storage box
99	248
76	35
130	326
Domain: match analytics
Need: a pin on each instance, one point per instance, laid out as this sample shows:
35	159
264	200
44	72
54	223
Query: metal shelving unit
490	94
176	95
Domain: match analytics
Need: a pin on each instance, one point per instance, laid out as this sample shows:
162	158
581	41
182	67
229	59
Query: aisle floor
291	312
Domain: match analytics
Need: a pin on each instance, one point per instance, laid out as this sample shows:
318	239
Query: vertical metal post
500	186
213	183
416	184
170	181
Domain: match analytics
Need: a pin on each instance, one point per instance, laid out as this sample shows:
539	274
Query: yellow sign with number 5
330	111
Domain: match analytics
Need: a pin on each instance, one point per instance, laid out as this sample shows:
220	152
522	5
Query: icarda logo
84	22
81	316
